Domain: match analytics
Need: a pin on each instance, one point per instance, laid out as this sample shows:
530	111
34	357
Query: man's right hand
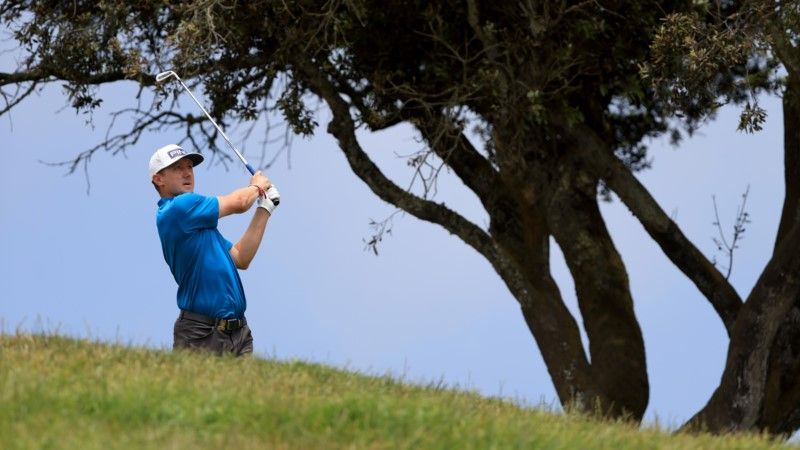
261	181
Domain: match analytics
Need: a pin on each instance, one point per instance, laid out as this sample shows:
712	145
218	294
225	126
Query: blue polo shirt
198	256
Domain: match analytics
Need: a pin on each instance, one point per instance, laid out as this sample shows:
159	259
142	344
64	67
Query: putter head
164	75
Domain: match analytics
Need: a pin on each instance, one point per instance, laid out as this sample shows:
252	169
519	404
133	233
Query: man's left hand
271	201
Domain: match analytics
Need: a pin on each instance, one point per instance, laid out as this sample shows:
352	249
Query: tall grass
57	392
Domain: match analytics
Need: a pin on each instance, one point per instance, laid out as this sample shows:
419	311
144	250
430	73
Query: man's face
176	179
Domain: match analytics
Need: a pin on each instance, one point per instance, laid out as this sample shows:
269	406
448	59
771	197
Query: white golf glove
271	201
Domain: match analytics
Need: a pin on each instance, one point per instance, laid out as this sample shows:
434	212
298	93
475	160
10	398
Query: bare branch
380	228
16	98
742	219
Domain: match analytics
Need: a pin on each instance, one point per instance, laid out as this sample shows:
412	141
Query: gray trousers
193	335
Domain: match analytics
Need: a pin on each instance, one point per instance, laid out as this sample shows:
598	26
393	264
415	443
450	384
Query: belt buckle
229	324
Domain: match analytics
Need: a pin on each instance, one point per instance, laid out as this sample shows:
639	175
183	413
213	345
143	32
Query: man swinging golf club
204	264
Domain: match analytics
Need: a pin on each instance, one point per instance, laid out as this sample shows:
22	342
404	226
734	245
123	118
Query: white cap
170	154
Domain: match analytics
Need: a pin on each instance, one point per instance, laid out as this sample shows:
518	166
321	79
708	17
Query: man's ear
158	181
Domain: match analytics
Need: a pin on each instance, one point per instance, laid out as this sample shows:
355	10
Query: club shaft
244	161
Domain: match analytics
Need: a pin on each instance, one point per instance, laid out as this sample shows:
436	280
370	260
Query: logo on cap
176	152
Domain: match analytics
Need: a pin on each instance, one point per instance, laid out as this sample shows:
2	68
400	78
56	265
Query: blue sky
427	309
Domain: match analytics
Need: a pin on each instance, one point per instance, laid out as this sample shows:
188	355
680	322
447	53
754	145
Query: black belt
220	324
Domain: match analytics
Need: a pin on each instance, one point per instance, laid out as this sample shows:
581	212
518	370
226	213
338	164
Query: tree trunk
781	411
616	346
774	397
554	200
737	403
791	157
525	269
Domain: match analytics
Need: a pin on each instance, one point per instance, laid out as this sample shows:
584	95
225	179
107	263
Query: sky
427	309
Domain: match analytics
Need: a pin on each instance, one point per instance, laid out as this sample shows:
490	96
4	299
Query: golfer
210	293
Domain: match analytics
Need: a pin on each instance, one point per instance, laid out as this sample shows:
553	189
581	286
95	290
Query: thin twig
742	219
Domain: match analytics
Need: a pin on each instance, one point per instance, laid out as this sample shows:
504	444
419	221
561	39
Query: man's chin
183	190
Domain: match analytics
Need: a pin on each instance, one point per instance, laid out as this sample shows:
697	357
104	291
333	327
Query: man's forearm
238	201
248	195
251	239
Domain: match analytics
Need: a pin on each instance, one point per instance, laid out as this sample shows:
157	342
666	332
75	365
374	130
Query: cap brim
196	158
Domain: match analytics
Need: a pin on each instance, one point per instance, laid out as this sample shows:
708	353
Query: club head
164	75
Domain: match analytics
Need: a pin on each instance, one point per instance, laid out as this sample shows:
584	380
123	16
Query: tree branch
374	120
675	245
444	138
452	146
343	128
16	98
783	47
39	74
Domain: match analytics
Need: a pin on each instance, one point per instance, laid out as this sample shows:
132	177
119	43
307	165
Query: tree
536	106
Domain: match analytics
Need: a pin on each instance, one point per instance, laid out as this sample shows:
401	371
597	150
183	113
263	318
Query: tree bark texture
737	403
615	383
616	346
781	411
790	215
664	231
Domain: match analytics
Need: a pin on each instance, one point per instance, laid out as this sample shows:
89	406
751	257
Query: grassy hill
57	392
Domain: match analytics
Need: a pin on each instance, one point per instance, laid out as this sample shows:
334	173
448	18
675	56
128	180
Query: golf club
169	74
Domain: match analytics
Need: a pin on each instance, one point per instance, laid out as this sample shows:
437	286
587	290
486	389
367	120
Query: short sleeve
226	244
198	211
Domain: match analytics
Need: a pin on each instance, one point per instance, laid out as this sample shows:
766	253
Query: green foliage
300	117
65	393
82	97
752	117
513	66
712	56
